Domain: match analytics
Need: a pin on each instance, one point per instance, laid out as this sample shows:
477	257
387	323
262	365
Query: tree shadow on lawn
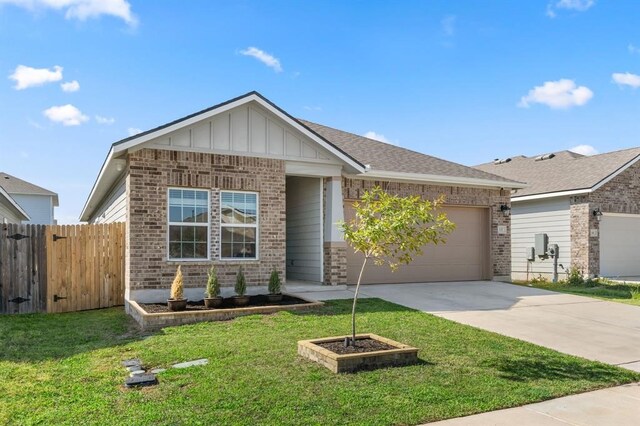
42	337
365	305
566	369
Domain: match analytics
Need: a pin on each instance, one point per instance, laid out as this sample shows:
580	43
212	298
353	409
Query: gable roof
384	157
12	205
15	186
352	150
566	173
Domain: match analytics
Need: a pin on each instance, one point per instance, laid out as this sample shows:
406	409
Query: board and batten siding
304	229
114	207
551	217
38	207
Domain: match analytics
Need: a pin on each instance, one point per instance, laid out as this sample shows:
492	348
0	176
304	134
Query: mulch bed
227	303
362	346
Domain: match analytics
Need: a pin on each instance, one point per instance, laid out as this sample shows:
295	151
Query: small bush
574	277
635	292
177	287
274	282
241	283
539	280
213	285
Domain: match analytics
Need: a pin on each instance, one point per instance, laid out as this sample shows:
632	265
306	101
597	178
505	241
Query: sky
466	81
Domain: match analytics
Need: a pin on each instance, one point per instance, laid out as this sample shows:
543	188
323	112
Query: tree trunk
355	300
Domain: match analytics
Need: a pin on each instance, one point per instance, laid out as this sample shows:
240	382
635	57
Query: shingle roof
567	171
386	157
13	185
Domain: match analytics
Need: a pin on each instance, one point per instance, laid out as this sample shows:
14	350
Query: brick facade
335	263
500	245
620	195
152	172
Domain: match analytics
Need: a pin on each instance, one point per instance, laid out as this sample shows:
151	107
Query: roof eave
441	179
14	204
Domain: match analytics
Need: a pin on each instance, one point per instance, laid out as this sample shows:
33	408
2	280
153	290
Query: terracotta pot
274	297
177	304
241	300
213	302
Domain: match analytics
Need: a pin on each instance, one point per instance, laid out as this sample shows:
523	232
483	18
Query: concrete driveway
576	325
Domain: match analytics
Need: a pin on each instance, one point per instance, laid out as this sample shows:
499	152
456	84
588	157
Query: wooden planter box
402	355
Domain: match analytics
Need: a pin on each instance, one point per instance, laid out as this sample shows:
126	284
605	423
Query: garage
464	257
619	245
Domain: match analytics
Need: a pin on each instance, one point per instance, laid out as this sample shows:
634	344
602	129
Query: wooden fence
61	268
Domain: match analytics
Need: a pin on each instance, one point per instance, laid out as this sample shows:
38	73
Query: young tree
390	229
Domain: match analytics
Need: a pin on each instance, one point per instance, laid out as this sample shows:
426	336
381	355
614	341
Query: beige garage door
464	257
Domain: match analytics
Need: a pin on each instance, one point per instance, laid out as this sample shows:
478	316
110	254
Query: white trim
614	174
169	224
15	204
550	195
438	179
240	225
322	213
300	168
630	215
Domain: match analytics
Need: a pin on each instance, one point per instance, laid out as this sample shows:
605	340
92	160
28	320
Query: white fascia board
616	173
300	168
107	176
438	179
515	199
14	204
223	108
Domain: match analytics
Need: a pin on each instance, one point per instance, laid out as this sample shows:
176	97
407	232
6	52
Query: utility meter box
542	242
553	250
531	254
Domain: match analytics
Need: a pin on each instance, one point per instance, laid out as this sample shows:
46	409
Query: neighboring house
10	210
243	183
38	202
589	206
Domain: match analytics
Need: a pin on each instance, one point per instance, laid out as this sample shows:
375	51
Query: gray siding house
37	202
588	205
244	183
10	210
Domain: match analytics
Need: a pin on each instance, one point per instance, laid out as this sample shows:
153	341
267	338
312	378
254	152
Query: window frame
239	225
200	224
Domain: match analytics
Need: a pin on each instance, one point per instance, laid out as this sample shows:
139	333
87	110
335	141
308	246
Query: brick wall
500	245
152	172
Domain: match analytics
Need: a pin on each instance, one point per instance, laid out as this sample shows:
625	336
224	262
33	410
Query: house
243	183
10	210
588	205
37	202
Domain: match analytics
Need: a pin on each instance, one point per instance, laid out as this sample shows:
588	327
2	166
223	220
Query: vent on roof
544	157
501	161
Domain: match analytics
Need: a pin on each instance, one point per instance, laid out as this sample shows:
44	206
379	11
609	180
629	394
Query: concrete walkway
602	331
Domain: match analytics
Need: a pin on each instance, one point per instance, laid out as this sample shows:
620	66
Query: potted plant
212	297
274	287
177	301
241	299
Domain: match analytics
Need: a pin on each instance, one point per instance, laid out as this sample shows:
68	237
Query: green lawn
65	369
602	289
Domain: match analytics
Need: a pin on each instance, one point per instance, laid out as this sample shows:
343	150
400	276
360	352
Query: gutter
439	179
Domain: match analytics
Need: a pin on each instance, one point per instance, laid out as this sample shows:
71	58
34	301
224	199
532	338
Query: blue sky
467	81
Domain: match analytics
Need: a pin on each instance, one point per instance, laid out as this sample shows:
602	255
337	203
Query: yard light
597	213
505	209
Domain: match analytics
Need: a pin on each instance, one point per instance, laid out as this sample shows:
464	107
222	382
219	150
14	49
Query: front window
188	224
238	225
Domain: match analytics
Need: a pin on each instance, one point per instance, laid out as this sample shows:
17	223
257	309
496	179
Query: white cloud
264	57
82	9
70	86
105	120
559	94
626	79
379	137
573	5
584	150
26	77
633	49
68	115
133	131
448	24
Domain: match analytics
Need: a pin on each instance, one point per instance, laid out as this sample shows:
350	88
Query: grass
600	289
65	369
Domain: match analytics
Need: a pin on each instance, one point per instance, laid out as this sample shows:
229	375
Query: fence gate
85	266
23	268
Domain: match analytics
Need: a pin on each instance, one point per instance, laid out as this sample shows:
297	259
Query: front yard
599	289
65	369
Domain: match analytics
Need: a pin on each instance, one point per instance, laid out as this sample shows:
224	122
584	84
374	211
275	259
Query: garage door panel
620	245
464	257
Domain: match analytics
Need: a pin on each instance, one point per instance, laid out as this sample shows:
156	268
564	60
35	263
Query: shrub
177	287
274	282
241	283
539	280
574	277
213	286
